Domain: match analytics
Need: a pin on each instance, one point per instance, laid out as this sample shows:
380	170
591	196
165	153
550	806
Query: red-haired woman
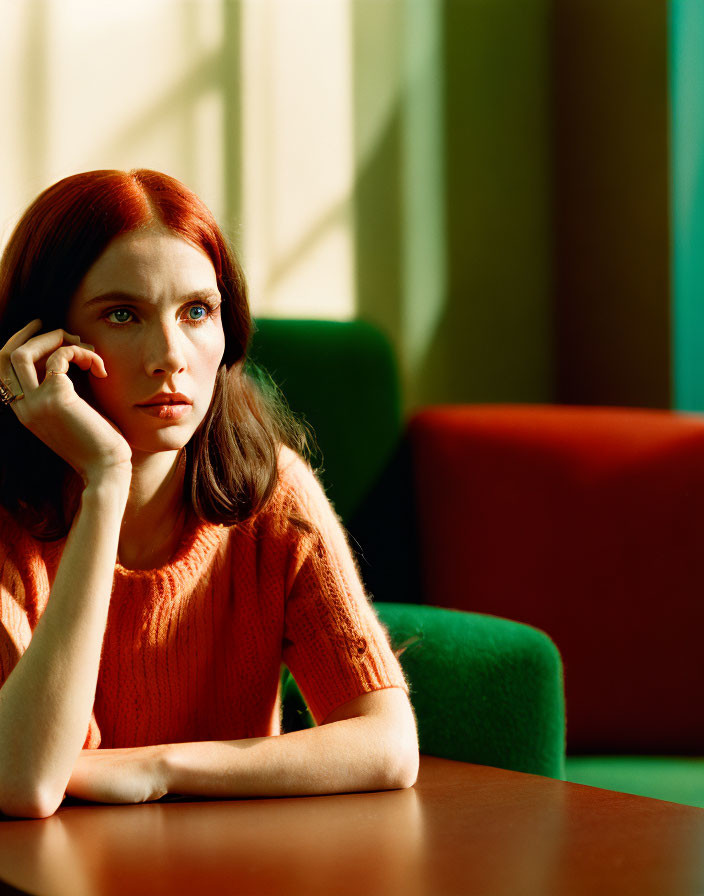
164	545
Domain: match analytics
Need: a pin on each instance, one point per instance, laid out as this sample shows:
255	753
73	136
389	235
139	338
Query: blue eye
200	308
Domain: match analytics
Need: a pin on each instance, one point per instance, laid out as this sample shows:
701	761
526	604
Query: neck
156	510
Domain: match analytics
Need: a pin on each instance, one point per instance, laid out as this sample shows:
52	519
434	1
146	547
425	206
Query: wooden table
463	829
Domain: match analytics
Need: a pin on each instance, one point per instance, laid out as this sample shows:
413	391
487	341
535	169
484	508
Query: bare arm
46	702
370	743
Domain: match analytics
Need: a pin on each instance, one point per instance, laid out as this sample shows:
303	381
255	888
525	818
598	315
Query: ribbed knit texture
193	650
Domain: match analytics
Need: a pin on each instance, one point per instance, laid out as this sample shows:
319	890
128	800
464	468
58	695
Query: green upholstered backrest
341	376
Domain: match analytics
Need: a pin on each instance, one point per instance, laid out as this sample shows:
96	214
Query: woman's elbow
35	804
408	773
402	768
403	752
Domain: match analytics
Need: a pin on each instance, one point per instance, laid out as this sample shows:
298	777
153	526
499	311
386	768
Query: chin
171	441
162	438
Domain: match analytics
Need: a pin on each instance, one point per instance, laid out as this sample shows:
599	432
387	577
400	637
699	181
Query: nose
164	351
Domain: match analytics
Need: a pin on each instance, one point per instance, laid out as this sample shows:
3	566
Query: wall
509	189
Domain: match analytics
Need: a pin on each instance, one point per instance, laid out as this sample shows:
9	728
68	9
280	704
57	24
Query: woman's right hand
53	410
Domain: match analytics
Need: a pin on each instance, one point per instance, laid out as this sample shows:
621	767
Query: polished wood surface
463	829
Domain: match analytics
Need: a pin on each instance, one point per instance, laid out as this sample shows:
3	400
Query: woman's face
150	306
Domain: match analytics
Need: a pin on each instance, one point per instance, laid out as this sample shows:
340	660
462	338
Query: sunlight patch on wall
297	167
423	243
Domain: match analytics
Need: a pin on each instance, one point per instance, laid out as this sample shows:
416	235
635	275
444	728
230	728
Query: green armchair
484	689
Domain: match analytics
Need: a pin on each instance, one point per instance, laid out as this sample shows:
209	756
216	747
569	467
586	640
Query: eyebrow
118	296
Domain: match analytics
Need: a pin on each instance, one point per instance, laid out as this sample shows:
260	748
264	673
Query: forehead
152	262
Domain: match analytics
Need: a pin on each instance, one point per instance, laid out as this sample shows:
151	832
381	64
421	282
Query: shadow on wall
491	336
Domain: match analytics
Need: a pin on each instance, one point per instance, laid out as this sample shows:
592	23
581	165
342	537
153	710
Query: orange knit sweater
193	650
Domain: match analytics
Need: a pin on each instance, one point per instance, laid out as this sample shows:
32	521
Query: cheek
103	396
106	389
216	360
116	361
211	357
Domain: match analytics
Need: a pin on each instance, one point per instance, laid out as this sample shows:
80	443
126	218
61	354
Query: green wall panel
686	85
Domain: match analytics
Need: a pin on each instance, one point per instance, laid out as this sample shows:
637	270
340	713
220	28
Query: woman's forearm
348	756
46	702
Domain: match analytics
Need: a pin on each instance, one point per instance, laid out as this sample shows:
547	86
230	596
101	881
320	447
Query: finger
7	371
88	359
60	361
25	356
21	336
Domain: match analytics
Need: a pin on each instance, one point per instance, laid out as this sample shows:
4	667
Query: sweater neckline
196	543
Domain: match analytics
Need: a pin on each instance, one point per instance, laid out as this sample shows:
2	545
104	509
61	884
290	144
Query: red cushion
589	524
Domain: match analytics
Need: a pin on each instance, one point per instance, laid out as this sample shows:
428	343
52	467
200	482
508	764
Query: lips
165	398
165	411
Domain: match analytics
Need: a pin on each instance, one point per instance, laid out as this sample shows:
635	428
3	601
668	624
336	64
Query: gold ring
6	394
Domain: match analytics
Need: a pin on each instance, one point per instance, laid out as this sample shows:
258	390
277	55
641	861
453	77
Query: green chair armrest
484	689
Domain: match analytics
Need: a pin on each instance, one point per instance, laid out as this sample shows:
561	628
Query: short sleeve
334	644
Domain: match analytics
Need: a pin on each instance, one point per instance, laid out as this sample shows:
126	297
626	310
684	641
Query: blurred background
510	190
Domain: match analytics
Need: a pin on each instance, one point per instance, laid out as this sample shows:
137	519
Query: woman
164	546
